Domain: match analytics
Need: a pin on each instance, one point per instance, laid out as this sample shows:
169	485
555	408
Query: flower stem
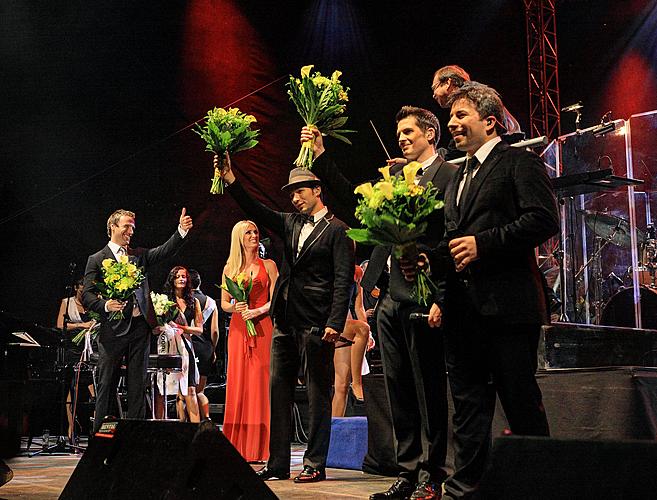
217	181
250	328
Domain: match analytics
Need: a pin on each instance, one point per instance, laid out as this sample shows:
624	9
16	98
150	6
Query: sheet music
29	341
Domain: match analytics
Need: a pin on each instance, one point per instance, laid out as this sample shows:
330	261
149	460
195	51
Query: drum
619	310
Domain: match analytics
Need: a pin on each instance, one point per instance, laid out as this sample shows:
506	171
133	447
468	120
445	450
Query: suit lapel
320	227
451	210
296	231
431	171
107	253
478	180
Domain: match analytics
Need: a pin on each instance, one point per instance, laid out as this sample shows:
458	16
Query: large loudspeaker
535	468
163	460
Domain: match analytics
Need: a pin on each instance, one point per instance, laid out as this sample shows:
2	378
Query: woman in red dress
246	414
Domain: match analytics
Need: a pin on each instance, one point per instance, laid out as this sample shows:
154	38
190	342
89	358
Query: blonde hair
116	217
236	256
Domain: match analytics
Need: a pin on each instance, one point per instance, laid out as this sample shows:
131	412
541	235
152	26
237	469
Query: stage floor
44	477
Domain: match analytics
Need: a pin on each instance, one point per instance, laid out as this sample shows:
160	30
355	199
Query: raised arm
329	172
259	212
173	244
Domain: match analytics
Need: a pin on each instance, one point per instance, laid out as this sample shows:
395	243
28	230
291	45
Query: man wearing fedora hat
309	308
412	354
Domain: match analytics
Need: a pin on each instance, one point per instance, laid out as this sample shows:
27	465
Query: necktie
308	219
122	251
470	165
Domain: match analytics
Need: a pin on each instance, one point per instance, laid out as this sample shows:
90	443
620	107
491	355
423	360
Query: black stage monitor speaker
536	468
163	460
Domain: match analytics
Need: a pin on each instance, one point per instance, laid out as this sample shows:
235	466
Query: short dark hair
452	72
425	120
194	278
485	100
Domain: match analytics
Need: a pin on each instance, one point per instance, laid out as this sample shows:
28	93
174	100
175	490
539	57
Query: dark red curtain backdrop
97	100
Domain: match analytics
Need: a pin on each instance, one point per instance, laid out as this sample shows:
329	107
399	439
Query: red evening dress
246	414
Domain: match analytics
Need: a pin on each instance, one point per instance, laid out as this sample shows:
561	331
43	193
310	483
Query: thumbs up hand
185	220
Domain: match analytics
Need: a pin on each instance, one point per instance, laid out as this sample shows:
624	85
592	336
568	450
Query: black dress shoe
267	474
310	475
401	489
427	490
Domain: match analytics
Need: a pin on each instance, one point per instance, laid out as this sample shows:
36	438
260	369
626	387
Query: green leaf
234	290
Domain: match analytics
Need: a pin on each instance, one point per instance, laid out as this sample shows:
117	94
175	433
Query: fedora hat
300	177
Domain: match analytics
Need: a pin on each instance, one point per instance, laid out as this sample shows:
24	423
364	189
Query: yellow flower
123	259
365	189
321	81
132	269
124	284
376	199
385	172
409	172
335	76
305	71
233	111
385	187
250	119
240	279
107	263
414	190
342	95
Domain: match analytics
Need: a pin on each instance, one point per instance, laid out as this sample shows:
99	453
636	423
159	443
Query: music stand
61	445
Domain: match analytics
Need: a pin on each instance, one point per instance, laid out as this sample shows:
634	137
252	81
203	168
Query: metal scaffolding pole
543	68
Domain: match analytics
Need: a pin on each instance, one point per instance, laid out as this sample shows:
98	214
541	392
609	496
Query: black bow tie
308	219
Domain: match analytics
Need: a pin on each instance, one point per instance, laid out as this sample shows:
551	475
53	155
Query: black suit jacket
510	209
439	173
141	257
313	289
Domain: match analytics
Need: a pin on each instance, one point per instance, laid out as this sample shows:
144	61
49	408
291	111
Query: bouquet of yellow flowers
239	287
321	103
165	309
120	280
393	212
226	131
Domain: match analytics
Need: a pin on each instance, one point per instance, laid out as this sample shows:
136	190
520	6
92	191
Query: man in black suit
498	208
309	308
412	354
129	336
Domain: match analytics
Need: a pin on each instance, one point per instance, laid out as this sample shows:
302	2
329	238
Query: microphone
418	316
573	107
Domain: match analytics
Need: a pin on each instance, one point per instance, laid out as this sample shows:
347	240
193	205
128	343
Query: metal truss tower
543	68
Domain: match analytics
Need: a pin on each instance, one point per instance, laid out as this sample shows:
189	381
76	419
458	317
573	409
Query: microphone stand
61	446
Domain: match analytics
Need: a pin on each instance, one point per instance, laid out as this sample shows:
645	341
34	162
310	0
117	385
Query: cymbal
609	227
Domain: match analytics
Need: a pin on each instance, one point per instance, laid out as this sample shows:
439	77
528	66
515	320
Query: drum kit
614	305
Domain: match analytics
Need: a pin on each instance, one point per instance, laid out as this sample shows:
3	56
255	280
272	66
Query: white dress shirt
308	227
481	154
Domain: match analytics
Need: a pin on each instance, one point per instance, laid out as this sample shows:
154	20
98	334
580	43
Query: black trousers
290	349
414	372
485	358
111	349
